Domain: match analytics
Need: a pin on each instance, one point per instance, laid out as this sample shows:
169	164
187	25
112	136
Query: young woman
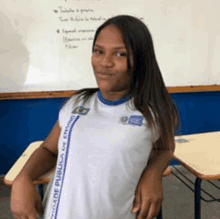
111	144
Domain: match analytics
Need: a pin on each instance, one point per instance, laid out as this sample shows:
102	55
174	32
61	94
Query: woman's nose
107	61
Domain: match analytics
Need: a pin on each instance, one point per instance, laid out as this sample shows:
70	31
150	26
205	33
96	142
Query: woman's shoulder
79	97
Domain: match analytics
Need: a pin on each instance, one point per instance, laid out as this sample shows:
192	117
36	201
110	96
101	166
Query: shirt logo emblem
80	110
136	120
124	120
132	120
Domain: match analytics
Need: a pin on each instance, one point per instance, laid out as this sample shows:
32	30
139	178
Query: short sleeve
66	110
155	134
155	129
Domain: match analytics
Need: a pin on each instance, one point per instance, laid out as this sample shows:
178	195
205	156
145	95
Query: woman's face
109	61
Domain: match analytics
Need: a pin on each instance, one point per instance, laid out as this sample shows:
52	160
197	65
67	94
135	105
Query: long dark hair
147	86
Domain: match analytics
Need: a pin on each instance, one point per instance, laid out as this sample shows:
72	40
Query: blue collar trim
116	103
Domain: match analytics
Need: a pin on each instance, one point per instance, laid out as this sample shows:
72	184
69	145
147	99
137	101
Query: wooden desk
18	165
46	178
200	154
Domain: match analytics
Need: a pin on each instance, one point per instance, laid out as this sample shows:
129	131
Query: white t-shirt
103	149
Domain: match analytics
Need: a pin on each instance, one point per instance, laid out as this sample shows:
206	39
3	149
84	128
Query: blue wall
25	121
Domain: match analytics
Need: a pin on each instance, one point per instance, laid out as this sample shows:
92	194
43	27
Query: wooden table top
200	154
18	165
46	178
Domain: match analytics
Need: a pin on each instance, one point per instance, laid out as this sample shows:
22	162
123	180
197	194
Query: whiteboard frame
66	94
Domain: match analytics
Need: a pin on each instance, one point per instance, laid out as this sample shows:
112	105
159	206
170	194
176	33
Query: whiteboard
46	45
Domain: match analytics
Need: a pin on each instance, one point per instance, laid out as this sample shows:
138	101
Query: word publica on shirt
59	171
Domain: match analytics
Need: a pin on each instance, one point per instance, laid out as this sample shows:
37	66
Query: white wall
35	54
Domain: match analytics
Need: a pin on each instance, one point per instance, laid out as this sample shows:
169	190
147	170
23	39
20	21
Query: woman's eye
95	51
120	54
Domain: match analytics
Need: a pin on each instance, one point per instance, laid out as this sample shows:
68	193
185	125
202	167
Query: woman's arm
159	160
149	193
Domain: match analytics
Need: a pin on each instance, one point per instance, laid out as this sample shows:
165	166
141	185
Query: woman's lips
103	75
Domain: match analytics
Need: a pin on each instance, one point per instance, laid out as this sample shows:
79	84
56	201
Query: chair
46	178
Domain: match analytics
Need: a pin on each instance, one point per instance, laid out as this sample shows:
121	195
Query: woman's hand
148	196
25	200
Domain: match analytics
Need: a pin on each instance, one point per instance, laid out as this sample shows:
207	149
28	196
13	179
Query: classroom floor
178	200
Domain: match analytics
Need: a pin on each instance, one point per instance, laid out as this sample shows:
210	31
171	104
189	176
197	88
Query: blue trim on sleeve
116	103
